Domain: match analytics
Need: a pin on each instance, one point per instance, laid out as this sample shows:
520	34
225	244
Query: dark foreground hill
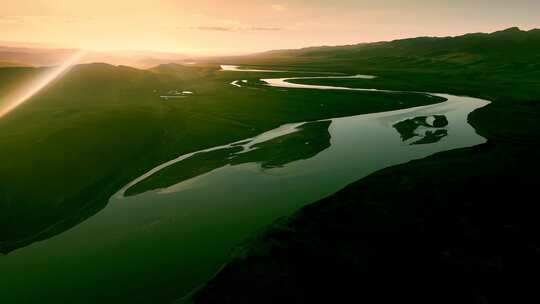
457	227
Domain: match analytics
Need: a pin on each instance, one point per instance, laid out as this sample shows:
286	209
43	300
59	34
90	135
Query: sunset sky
243	26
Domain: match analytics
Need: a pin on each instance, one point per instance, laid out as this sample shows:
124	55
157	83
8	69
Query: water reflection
430	129
304	142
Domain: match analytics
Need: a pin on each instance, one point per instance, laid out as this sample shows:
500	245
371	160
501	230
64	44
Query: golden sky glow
243	26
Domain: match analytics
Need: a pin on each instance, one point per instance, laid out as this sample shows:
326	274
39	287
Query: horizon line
55	47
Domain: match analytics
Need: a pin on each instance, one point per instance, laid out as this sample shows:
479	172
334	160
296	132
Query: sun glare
30	89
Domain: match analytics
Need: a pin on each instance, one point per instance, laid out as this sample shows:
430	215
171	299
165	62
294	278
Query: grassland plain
72	146
457	227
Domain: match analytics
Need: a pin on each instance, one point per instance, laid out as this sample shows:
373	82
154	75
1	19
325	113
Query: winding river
163	234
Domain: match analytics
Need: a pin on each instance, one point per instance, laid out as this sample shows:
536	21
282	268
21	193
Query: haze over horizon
206	28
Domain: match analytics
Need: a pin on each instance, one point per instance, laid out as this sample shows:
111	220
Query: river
160	237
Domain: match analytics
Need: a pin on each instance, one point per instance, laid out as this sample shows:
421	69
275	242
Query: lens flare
41	82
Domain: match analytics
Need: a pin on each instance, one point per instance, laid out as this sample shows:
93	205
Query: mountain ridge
511	30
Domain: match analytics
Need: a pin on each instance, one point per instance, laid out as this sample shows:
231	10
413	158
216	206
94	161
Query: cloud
212	28
234	29
44	20
265	29
279	7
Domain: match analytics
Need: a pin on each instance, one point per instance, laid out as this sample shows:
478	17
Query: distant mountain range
478	41
39	56
517	48
514	48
